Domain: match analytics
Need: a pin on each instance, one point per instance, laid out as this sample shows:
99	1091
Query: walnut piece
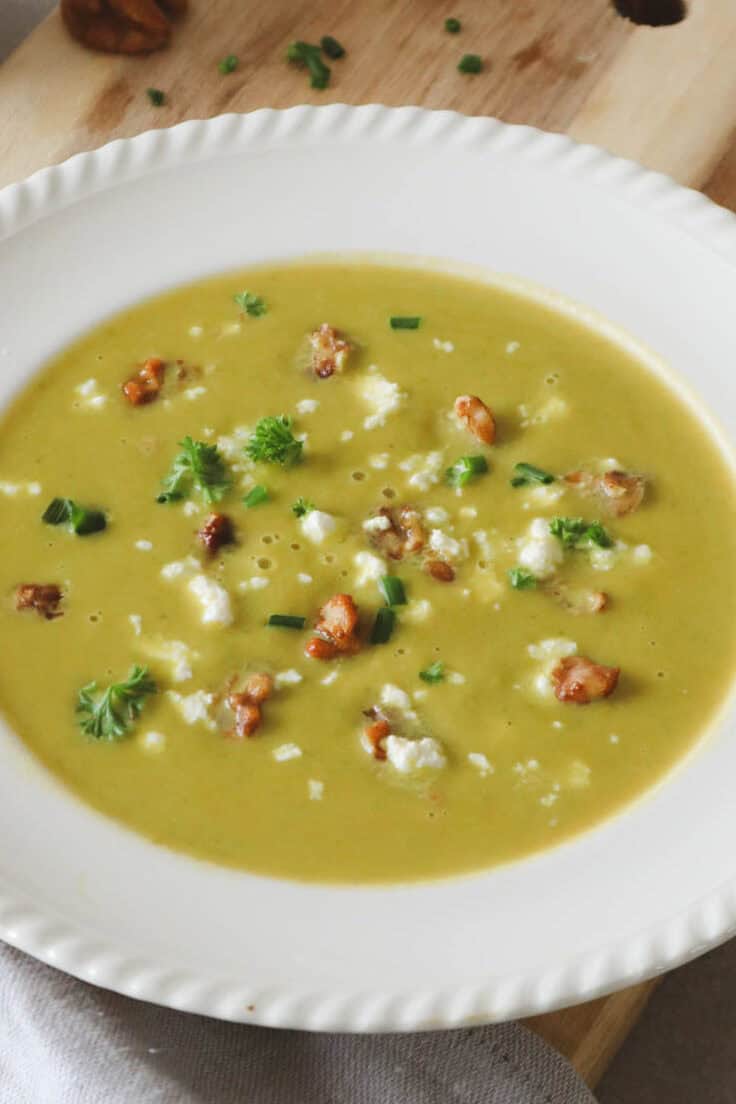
122	26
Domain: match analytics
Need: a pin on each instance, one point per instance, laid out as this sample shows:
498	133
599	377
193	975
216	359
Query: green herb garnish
305	54
199	465
286	621
578	533
470	63
521	579
392	590
255	496
405	322
251	304
465	469
452	26
81	520
527	473
434	673
108	715
274	443
156	96
228	64
302	507
383	626
331	48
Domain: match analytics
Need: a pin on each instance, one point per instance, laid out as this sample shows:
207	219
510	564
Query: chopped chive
521	579
528	473
156	96
302	507
465	469
392	590
286	621
57	511
434	673
255	496
305	54
251	304
452	26
405	322
82	521
383	626
575	532
228	64
470	63
331	48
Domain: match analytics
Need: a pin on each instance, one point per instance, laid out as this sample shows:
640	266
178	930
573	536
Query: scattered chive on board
434	673
465	469
331	48
286	621
392	590
305	54
156	96
255	496
405	322
528	473
452	26
383	626
228	64
470	63
521	579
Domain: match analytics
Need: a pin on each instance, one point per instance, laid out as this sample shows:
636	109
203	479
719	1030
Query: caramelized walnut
578	679
122	26
440	570
617	492
405	534
476	417
146	384
217	531
336	629
330	351
246	704
42	597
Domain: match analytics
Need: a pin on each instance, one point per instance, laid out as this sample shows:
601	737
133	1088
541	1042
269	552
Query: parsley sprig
302	507
434	673
251	304
199	465
273	442
109	714
578	533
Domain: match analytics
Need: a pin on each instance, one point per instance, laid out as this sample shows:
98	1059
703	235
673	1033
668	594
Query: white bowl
644	891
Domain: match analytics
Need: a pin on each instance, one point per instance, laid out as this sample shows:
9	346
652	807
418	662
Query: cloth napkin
63	1041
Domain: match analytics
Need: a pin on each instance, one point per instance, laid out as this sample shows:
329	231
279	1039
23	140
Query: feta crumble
330	677
539	551
378	524
285	752
196	331
307	406
444	346
548	653
370	568
315	789
347	435
194	708
174	652
418	609
408	756
12	489
137	622
424	468
292	677
393	696
316	525
446	547
481	762
379	461
214	600
383	396
512	346
436	515
193	393
304	579
144	545
152	741
178	568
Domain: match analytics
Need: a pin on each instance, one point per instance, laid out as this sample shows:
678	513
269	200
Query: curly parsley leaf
108	714
273	442
434	673
251	304
302	507
521	579
199	465
578	533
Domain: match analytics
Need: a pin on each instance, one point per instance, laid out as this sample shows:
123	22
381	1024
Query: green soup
472	752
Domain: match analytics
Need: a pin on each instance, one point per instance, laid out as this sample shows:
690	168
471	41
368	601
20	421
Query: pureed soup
347	572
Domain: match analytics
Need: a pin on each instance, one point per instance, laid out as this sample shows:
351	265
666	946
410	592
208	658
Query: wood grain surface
665	96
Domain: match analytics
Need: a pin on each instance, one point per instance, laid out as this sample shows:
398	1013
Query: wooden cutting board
664	96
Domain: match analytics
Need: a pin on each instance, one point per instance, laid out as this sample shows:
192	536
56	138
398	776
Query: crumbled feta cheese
548	653
480	536
407	756
614	738
436	515
12	489
378	524
258	582
33	488
194	708
152	741
144	545
512	347
548	799
231	329
445	346
419	695
177	568
539	551
232	446
553	408
137	622
446	547
418	609
425	469
468	512
287	678
383	396
370	568
192	393
214	600
546	494
379	461
347	435
578	774
456	679
604	559
196	331
90	396
641	554
304	579
393	696
87	388
316	525
189	508
481	762
330	677
307	406
175	652
315	789
285	752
